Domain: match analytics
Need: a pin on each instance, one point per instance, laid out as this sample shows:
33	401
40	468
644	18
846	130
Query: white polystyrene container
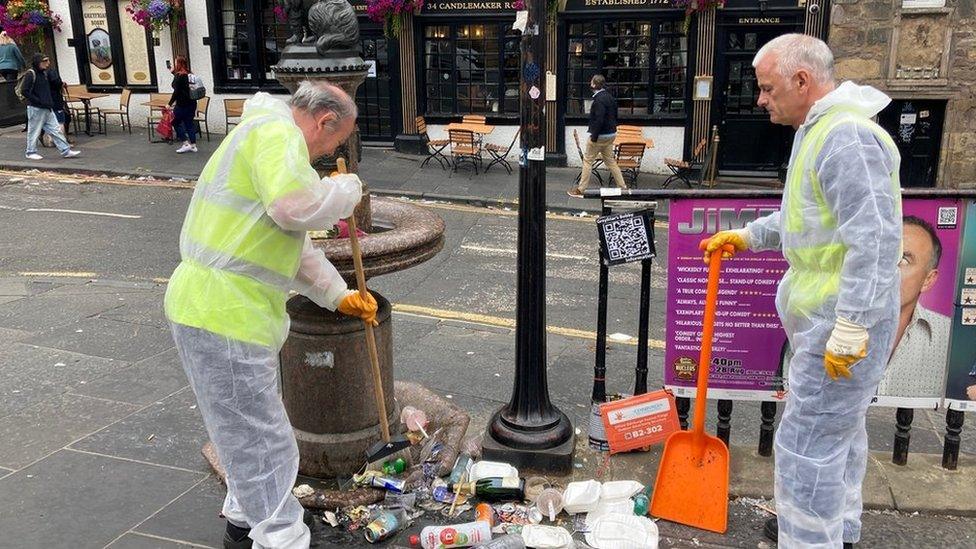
620	489
547	537
581	497
621	531
489	469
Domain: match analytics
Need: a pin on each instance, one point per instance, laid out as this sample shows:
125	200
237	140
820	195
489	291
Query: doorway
916	127
376	98
750	144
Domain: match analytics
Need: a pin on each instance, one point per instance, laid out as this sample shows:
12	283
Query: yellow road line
107	180
508	213
488	320
69	274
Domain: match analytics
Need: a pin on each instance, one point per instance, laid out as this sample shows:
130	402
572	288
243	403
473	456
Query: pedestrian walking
840	228
40	109
603	130
11	60
244	247
61	112
185	107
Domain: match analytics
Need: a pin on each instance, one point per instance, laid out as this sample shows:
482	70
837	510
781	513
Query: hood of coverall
263	104
867	100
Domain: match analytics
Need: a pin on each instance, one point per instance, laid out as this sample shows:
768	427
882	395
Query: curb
592	208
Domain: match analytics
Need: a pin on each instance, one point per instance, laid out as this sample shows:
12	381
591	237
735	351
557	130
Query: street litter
623	531
547	537
455	535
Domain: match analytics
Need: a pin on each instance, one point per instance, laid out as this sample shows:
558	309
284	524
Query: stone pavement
385	171
100	435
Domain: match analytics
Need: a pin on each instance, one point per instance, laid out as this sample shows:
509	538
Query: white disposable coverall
821	443
234	377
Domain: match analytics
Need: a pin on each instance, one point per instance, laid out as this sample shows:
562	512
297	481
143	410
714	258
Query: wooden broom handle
357	261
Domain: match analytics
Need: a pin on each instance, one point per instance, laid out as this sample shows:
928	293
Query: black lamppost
529	431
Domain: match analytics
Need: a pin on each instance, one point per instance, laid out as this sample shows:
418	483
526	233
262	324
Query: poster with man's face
916	373
961	384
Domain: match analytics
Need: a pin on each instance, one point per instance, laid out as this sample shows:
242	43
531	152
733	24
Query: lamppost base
555	460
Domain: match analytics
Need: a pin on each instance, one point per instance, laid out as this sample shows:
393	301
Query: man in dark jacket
603	130
40	110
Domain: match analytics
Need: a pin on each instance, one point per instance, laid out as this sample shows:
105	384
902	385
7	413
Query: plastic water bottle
511	541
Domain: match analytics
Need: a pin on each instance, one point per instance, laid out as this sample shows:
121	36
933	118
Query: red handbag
165	126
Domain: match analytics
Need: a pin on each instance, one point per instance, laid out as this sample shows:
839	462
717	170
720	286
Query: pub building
460	57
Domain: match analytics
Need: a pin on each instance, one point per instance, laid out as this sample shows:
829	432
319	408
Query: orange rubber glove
847	345
354	305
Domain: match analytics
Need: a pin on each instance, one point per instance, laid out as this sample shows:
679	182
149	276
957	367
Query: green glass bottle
492	488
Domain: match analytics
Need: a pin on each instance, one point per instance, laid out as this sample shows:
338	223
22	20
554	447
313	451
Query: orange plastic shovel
692	485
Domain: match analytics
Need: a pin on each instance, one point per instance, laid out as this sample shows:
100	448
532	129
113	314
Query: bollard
950	450
684	406
903	435
766	429
723	429
640	379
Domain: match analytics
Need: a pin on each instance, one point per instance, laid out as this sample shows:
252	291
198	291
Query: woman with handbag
185	107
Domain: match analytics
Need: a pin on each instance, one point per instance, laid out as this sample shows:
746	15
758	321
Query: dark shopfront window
645	62
471	68
249	40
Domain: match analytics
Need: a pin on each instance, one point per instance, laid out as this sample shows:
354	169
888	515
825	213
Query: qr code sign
626	238
947	216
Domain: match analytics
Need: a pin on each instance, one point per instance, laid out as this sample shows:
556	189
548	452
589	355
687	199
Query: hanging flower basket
25	20
391	13
553	7
694	6
156	14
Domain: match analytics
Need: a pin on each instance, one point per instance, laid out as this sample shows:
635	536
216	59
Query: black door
376	98
916	126
749	143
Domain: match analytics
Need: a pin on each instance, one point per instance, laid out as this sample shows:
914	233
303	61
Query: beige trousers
603	149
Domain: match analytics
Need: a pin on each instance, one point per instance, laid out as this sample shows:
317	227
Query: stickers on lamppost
534	92
639	421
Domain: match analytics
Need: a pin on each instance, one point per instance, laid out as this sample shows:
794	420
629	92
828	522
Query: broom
389	447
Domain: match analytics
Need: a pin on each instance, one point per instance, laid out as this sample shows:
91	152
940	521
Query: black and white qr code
626	238
947	216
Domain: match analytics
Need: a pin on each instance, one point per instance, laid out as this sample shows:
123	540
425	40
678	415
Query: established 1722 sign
627	237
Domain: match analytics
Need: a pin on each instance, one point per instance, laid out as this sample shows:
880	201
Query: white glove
847	339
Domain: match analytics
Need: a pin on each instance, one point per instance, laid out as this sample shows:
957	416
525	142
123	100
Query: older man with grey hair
839	227
244	247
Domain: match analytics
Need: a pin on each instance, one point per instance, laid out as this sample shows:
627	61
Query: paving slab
41	429
144	382
138	541
169	432
107	338
144	308
13	287
8	335
74	500
30	374
194	517
42	312
924	486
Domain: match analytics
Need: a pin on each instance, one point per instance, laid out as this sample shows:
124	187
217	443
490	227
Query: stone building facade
923	54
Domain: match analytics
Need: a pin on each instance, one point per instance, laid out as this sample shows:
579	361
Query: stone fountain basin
403	235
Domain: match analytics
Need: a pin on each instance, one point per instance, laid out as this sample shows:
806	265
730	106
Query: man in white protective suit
244	247
840	229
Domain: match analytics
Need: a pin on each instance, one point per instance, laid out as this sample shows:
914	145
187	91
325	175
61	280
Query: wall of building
881	42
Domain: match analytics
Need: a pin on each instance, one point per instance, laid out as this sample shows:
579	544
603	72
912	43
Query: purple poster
750	353
750	344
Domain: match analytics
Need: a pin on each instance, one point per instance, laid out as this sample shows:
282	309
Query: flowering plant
26	19
156	14
552	7
693	6
391	13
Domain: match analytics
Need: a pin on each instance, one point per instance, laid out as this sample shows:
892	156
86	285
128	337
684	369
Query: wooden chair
629	156
597	162
233	110
473	119
155	113
77	107
122	112
684	170
435	147
200	118
464	149
499	154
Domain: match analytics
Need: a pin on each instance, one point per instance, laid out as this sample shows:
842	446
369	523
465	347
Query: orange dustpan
692	485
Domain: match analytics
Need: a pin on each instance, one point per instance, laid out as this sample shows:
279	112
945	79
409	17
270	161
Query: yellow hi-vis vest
238	265
815	266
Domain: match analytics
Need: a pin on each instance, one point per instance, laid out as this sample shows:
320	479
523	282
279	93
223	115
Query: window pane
476	65
274	34
234	19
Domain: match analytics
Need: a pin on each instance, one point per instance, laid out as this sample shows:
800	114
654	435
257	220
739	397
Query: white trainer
185	147
71	154
33	156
